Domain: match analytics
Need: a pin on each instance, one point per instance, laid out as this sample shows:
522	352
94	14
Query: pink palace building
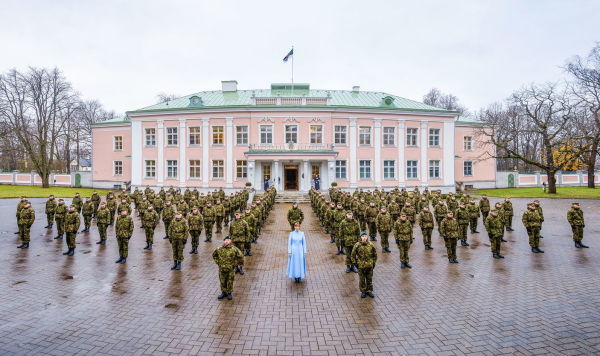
287	136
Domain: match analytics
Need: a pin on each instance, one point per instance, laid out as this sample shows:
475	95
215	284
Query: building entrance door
290	177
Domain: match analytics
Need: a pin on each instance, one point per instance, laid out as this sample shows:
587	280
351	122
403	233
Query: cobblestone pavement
526	304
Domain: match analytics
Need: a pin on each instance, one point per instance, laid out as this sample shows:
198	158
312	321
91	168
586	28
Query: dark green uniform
295	215
473	216
26	219
227	258
87	211
450	231
484	207
219	214
385	224
426	225
178	233
507	209
59	217
77	202
50	211
495	229
462	217
209	219
239	232
102	221
349	231
149	222
96	201
124	229
72	223
577	222
111	205
167	216
403	232
532	221
364	255
371	215
195	224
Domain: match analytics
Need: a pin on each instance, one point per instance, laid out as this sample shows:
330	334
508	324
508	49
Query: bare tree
164	97
540	117
435	97
586	75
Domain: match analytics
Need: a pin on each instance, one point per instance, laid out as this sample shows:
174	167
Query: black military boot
229	296
363	294
245	252
354	269
103	242
192	250
99	242
580	244
455	260
58	236
25	245
178	268
242	270
503	240
249	253
71	252
165	238
402	265
332	240
253	241
450	260
174	265
464	243
339	251
147	246
371	294
47	226
538	250
474	232
348	268
21	246
119	260
500	256
408	265
66	253
342	251
123	260
495	255
222	295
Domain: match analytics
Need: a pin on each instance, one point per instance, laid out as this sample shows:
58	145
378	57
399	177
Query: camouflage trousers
195	234
60	225
508	221
112	217
473	224
50	218
372	229
348	249
149	235
362	223
102	231
534	236
24	233
71	239
462	228
208	229
451	247
87	219
438	220
167	224
385	243
123	243
177	245
496	242
577	233
219	223
426	235
365	279
484	215
226	277
240	245
403	246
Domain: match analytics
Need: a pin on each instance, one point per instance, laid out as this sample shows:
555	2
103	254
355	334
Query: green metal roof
336	98
115	121
468	120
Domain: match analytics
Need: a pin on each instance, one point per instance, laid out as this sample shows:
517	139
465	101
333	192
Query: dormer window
195	101
388	101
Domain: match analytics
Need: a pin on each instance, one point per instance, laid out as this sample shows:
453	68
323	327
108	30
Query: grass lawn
537	192
16	191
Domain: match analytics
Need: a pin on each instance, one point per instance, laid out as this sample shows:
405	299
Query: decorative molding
291	119
266	119
316	119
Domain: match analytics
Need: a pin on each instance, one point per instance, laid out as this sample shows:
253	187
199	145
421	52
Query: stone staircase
290	197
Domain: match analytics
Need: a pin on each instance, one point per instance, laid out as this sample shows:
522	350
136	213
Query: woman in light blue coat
296	254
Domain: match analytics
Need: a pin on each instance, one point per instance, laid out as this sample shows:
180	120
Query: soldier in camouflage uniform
371	215
410	212
77	202
228	258
167	216
239	231
20	206
364	255
195	224
329	221
484	207
178	234
102	222
453	205
540	211
577	222
462	217
338	216
87	211
209	219
96	202
142	207
508	213
25	220
426	225
124	205
111	205
158	204
124	230
403	232
500	209
385	224
251	221
532	221
450	231
50	211
295	215
440	211
219	214
59	217
495	228
149	223
473	210
394	209
349	231
72	223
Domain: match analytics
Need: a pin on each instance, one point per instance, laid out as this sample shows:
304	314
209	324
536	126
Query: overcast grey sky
123	53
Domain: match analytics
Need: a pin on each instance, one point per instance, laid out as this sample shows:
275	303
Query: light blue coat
296	255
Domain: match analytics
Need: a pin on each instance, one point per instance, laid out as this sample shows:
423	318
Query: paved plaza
525	304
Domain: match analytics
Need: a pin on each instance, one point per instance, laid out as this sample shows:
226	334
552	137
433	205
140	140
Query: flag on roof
287	56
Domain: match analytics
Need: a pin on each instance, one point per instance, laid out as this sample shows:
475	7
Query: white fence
35	179
508	179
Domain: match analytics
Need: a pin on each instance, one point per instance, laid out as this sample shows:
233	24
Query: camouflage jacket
103	216
122	207
372	213
168	213
540	211
26	216
72	221
384	222
209	214
394	208
411	213
238	230
364	255
348	231
88	208
440	210
426	220
61	211
484	205
124	226
462	216
195	222
77	202
575	217
473	211
150	219
50	206
449	228
531	218
403	230
251	220
219	210
494	225
20	206
228	257
295	215
178	229
111	204
508	208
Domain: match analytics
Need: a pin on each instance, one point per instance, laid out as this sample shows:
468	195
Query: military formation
354	220
184	215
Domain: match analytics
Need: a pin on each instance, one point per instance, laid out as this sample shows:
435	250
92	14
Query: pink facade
288	147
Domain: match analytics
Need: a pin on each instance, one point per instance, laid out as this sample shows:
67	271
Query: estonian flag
287	56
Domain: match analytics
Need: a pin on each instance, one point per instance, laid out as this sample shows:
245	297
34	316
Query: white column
251	170
275	174
136	153
424	144
401	174
229	152
205	147
305	185
329	175
448	164
160	148
377	142
182	159
353	144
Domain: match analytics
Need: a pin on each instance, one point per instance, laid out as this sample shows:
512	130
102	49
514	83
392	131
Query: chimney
356	89
229	85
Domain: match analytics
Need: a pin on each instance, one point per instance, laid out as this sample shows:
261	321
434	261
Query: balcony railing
291	148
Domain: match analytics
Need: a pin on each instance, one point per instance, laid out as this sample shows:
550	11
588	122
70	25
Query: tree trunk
551	182
591	166
45	179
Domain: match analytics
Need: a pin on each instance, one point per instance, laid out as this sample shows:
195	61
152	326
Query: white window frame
416	168
150	137
285	133
120	165
408	144
115	149
243	135
387	169
367	169
472	168
174	136
391	136
220	169
198	134
438	135
260	133
471	143
341	168
212	135
335	135
360	135
318	134
431	166
197	167
176	169
152	167
241	170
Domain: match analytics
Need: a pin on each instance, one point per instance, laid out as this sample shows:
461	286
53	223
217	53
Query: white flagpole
292	70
